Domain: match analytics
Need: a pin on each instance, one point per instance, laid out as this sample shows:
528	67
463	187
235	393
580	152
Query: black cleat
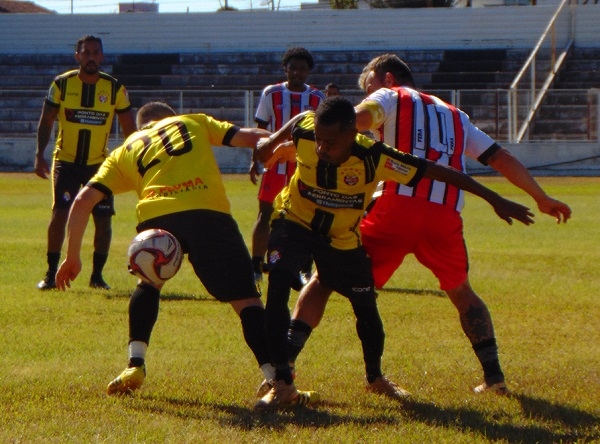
98	282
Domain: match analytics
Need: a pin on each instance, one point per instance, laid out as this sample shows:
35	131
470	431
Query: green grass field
542	284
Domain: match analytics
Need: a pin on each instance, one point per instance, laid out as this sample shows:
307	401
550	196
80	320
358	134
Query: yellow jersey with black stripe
171	166
85	116
331	199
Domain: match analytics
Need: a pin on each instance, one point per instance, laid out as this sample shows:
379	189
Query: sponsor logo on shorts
361	289
67	196
274	256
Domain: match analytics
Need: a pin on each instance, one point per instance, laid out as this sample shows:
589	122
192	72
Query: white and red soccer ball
154	256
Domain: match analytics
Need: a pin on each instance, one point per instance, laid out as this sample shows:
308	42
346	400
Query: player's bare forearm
511	168
265	147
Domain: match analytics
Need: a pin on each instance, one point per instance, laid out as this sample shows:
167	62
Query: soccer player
85	101
332	89
278	104
169	162
425	219
318	215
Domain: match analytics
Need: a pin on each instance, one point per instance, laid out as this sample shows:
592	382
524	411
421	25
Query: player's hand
509	210
559	210
67	272
40	167
254	171
285	152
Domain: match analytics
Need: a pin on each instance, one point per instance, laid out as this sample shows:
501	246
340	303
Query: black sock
253	327
143	312
53	259
298	334
258	264
372	337
98	262
136	362
284	373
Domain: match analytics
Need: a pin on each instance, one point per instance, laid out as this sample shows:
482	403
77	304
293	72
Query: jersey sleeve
122	104
380	104
53	97
477	143
113	177
400	167
264	110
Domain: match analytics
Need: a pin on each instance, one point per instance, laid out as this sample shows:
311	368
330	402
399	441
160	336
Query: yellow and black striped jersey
171	166
85	116
330	199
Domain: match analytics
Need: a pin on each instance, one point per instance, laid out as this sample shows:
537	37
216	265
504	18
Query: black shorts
347	272
67	180
215	248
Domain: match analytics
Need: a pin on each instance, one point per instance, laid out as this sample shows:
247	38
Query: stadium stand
477	61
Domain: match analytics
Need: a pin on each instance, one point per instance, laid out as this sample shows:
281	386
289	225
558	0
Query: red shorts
274	180
399	225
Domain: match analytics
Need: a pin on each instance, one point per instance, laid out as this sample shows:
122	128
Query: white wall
544	159
422	28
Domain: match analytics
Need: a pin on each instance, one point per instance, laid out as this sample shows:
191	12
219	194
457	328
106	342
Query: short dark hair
332	85
336	109
388	63
298	52
153	112
88	38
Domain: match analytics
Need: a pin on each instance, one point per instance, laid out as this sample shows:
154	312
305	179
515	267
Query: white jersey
429	128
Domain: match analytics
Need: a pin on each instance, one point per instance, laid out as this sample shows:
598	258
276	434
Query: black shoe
49	283
98	282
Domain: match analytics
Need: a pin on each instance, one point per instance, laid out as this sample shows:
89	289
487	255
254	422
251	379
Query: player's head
332	89
386	70
297	63
153	112
335	129
89	54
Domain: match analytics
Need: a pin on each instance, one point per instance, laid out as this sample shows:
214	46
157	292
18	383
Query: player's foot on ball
98	282
383	386
48	283
128	381
498	388
284	395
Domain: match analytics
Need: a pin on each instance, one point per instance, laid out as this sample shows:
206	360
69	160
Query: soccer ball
154	256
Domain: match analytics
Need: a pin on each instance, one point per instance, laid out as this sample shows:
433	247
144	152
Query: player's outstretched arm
266	146
511	168
504	208
79	215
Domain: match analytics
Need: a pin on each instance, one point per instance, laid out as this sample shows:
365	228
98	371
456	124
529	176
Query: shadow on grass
167	296
420	292
557	423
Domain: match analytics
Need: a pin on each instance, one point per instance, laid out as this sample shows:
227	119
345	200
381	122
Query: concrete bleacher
482	50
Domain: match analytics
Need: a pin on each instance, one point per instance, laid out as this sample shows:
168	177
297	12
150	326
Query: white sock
268	370
137	349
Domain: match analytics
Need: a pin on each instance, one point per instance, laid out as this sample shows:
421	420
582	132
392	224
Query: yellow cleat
127	382
282	396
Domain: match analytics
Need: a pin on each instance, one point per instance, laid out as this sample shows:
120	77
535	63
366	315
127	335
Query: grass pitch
59	350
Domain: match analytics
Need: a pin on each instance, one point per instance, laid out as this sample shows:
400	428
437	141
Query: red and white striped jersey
278	104
429	128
